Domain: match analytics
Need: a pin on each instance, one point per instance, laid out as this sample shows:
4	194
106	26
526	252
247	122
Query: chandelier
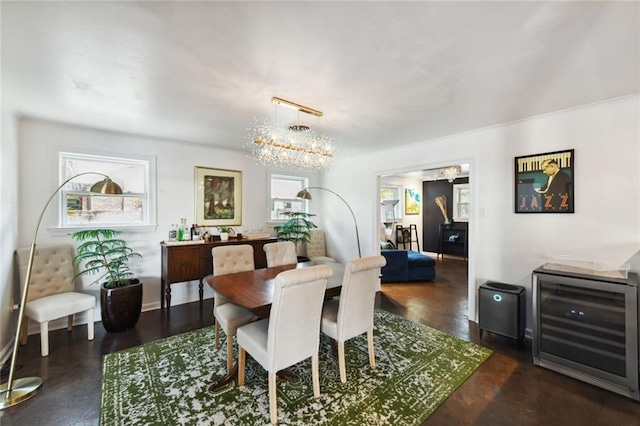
451	172
293	145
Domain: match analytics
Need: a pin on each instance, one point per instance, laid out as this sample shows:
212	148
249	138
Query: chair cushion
253	339
231	317
58	306
329	323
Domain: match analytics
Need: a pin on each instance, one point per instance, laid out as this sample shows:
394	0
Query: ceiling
383	73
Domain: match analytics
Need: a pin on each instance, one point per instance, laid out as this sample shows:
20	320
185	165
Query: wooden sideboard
183	262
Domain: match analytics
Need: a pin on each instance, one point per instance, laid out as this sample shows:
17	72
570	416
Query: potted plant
225	231
297	229
106	255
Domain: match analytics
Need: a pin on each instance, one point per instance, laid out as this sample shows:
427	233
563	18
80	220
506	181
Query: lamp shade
304	194
106	186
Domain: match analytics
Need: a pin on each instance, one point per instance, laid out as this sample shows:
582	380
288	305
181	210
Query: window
461	204
283	190
390	198
80	208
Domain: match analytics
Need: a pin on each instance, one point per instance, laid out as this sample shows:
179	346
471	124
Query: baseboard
5	354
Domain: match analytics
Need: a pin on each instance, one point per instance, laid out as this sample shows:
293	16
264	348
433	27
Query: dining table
253	290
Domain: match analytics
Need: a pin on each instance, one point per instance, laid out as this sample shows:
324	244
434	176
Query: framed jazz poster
544	183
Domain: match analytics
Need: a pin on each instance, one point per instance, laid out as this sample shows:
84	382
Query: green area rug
165	382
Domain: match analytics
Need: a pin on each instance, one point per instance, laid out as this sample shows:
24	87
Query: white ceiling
384	73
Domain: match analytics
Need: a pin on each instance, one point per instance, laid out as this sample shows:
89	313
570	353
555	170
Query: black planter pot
121	306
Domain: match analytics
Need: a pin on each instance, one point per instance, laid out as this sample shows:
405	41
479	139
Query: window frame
149	199
270	200
457	188
398	208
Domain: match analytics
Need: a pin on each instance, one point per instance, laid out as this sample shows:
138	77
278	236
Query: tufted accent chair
229	260
51	291
316	246
281	253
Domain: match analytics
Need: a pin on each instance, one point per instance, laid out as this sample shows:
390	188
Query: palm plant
106	255
297	228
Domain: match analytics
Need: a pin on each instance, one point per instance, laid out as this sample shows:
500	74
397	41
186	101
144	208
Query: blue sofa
407	265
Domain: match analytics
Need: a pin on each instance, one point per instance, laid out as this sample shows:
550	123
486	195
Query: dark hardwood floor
506	390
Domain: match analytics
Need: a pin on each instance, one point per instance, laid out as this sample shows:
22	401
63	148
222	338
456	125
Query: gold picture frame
218	197
412	203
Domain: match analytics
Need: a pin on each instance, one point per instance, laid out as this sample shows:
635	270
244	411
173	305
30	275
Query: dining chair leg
70	322
273	405
372	355
229	353
315	374
217	329
44	338
241	363
341	363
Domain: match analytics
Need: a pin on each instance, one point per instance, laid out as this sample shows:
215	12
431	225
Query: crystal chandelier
451	172
292	146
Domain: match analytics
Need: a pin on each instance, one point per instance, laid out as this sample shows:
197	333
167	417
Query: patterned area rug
165	382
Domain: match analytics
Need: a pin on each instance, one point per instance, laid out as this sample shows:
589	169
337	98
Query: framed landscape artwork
412	204
218	197
544	183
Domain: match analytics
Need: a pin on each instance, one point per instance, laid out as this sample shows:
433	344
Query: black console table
452	239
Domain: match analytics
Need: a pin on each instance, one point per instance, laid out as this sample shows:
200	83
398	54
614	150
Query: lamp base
23	389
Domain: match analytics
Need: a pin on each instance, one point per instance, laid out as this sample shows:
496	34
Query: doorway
431	183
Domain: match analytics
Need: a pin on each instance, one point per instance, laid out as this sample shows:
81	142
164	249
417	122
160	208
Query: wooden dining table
253	290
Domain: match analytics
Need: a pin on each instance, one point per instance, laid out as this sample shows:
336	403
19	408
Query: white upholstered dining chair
291	333
228	260
52	292
281	253
352	314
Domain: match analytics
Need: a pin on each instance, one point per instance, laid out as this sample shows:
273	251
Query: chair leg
372	355
44	338
229	353
70	322
273	404
341	363
241	364
25	331
217	329
90	324
315	374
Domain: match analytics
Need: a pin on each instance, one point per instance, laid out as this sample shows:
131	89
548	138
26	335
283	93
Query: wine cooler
586	327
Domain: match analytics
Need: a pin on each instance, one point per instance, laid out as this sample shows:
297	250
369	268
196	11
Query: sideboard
192	261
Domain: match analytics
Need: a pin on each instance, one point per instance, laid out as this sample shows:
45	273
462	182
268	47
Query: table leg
231	377
200	290
228	378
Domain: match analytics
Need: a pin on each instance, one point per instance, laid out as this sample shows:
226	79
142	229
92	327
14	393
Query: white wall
8	229
505	246
39	142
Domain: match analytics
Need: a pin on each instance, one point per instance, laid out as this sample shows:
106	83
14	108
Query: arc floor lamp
14	392
306	195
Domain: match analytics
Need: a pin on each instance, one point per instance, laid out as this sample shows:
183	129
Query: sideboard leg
168	297
162	288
